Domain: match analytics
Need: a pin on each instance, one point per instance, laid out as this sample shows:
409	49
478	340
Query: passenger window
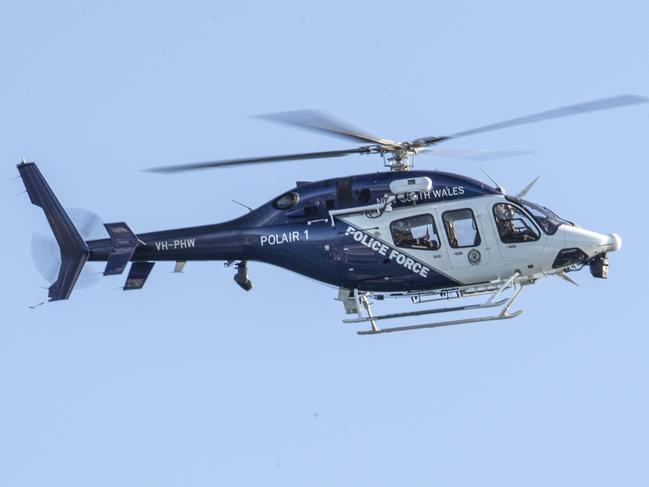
461	228
417	232
513	225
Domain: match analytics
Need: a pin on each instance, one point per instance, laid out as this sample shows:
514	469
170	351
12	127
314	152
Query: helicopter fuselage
354	233
424	234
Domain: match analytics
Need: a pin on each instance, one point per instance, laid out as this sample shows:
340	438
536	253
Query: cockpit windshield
545	218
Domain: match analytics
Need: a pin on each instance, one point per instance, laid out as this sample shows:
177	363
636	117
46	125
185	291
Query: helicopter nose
592	243
614	241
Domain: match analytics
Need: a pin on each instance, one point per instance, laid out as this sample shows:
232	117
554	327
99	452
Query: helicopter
426	236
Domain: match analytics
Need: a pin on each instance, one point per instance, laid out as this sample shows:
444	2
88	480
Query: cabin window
344	191
416	232
461	228
513	225
286	201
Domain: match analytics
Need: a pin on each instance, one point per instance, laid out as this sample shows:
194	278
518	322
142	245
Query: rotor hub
399	160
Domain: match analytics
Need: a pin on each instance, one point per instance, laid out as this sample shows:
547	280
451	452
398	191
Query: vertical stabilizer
74	251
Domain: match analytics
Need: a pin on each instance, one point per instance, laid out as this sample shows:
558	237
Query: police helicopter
427	236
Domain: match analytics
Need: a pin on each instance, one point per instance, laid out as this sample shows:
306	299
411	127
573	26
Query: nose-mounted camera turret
599	266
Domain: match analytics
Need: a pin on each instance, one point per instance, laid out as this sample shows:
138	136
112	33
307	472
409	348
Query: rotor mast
399	160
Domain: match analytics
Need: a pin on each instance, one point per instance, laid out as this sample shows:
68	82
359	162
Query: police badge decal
474	257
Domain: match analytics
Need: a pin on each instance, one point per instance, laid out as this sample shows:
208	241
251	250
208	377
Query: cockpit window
546	219
286	201
417	232
514	226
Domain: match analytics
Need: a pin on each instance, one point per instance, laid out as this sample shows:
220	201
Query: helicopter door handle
459	253
512	246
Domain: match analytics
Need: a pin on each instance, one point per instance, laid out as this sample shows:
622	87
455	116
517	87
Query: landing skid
362	303
440	323
426	312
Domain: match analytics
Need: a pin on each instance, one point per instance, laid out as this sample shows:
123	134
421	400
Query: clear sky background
193	382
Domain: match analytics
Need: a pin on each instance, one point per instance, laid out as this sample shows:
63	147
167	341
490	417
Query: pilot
505	216
505	211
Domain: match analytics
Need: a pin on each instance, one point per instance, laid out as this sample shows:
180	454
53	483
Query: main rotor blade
321	122
473	155
259	160
591	106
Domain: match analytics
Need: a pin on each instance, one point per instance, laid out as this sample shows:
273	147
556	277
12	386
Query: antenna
498	186
241	204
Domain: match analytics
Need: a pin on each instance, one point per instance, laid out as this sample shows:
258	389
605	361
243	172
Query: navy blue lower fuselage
294	231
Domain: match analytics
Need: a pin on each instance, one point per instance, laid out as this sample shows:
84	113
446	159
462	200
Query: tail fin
74	251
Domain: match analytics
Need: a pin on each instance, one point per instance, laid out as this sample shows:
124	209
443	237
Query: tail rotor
46	254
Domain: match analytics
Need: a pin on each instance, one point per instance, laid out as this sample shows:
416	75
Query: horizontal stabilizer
138	274
124	242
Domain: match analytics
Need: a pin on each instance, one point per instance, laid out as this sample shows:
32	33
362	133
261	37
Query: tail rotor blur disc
46	254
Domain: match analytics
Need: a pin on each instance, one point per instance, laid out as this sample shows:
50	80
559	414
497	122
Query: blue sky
191	381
